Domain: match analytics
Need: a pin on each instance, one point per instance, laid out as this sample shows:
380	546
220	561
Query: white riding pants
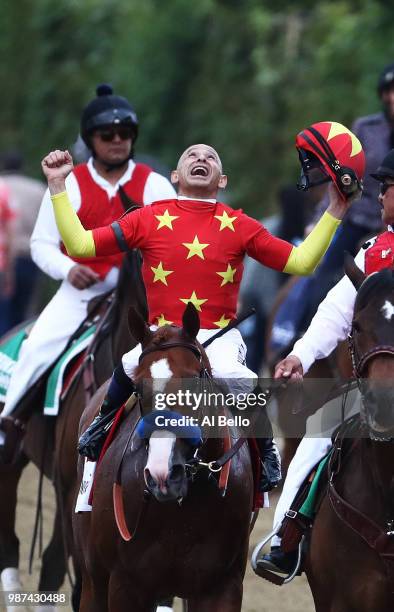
50	334
309	452
226	356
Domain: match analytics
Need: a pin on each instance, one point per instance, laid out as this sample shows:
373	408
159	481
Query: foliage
243	75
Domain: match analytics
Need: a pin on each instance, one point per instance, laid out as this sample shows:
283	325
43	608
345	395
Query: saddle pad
309	505
55	380
9	352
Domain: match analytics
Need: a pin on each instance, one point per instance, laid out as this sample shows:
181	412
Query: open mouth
199	171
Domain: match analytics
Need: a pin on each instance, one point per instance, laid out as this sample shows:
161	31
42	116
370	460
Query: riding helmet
330	151
107	109
386	79
386	168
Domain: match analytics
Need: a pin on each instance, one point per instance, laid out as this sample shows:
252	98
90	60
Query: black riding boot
92	440
279	561
271	474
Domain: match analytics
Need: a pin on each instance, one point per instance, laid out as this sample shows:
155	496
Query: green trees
244	75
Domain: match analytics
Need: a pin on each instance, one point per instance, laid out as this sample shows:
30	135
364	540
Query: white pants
50	334
309	452
226	356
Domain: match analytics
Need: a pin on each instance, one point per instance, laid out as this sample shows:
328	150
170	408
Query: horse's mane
380	282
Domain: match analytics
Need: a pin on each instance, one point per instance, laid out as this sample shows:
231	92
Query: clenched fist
82	277
56	166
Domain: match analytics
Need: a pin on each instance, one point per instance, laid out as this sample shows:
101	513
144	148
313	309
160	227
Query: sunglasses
124	133
384	187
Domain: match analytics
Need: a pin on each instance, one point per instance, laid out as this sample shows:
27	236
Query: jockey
193	247
335	316
109	127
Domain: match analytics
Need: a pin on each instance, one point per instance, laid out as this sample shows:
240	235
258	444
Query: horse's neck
382	467
367	479
130	292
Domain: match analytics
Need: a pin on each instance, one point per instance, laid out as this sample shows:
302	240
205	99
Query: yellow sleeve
78	241
305	258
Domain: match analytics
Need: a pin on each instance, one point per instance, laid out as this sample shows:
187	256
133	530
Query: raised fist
57	165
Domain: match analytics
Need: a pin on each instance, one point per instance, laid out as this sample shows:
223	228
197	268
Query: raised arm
282	255
78	241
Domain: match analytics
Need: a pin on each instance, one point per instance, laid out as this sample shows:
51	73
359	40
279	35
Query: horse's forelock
164	334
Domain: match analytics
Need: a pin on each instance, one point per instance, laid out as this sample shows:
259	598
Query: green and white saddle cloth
9	353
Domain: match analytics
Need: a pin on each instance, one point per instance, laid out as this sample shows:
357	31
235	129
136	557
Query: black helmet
386	79
386	168
107	109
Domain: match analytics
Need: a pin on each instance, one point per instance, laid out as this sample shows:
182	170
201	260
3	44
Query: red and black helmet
330	151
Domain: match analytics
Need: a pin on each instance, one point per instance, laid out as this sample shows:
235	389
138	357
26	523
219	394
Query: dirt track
259	596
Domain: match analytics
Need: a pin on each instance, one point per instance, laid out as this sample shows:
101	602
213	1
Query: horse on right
350	558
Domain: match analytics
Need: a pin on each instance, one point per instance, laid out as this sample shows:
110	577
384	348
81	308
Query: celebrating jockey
109	127
193	247
335	316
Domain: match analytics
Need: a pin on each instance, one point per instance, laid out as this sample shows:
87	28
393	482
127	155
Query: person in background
376	134
7	219
25	195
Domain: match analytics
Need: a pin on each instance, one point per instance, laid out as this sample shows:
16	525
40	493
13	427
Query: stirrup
268	574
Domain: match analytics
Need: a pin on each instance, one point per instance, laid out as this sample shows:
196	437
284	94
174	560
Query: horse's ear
138	327
353	272
190	321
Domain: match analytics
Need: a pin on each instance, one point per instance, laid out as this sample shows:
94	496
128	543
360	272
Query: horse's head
372	346
169	354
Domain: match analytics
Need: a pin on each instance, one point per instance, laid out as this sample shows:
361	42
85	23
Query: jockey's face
199	172
386	200
112	144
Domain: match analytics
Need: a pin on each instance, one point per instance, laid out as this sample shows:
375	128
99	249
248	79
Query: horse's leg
9	542
53	568
226	597
124	596
228	600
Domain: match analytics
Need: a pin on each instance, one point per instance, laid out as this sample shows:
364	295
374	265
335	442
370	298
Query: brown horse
350	564
194	545
51	443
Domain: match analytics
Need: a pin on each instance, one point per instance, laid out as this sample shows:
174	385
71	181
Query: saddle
94	329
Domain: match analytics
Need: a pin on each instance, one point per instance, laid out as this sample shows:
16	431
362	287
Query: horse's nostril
148	478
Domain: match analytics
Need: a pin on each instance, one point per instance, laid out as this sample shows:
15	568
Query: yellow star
228	275
165	220
223	322
226	221
337	128
194	300
160	274
162	321
195	248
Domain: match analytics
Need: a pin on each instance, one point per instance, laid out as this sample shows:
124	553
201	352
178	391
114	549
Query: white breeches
50	334
309	452
226	356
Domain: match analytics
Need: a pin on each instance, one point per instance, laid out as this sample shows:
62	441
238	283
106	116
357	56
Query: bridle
165	346
196	463
359	362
